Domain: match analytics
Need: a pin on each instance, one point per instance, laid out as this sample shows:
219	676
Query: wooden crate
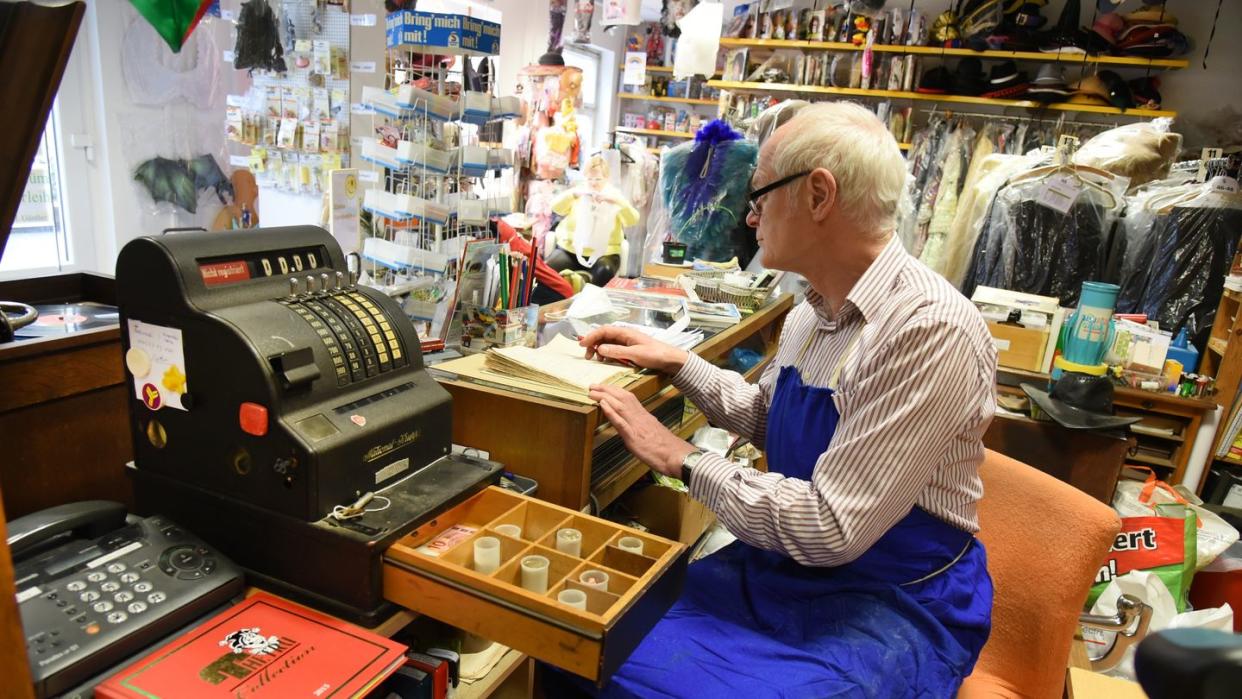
431	571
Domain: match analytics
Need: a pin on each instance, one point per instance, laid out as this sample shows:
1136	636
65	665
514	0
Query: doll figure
778	24
596	214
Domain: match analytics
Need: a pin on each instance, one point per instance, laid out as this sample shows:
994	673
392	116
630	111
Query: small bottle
245	216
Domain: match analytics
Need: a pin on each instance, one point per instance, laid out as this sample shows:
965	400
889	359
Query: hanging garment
907	618
155	77
973	209
957	160
1183	265
1036	249
704	186
594	222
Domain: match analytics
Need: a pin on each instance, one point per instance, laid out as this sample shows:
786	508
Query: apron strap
943	568
850	346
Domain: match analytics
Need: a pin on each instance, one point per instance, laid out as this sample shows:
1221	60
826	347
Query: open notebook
560	364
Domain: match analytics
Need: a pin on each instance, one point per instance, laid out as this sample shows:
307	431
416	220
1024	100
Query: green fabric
172	19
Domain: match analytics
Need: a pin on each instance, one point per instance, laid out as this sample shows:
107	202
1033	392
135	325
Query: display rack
675	100
1079	58
437	182
739	86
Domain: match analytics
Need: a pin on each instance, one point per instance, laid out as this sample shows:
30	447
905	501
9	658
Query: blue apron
906	619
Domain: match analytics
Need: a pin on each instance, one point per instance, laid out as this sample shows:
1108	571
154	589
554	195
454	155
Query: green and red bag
1163	544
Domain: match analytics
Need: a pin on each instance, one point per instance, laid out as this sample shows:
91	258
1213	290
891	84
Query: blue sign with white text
443	33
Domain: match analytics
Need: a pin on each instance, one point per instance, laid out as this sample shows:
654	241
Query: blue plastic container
1182	351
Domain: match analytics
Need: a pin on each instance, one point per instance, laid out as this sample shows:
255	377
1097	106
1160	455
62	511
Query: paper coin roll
535	574
569	541
486	554
632	544
573	598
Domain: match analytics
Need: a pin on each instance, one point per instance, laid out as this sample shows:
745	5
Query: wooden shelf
945	99
1233	295
653	69
1218	345
1170	63
676	100
485	687
655	132
1154	461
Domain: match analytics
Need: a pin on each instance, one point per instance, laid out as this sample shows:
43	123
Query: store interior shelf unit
655	132
677	100
660	69
1168	63
944	99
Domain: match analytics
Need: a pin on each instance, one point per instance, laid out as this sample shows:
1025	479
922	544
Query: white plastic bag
699	42
1140	499
1148	588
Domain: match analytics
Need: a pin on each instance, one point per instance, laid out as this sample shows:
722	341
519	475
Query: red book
262	647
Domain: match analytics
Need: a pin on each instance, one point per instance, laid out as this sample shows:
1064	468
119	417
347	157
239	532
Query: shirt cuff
693	374
708	478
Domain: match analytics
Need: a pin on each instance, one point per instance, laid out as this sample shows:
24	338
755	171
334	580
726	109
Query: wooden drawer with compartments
433	571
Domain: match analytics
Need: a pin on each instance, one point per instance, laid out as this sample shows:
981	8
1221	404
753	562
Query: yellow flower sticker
174	379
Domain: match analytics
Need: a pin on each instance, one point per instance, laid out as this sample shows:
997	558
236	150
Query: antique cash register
269	395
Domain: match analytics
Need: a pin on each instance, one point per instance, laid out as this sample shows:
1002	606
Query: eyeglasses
752	199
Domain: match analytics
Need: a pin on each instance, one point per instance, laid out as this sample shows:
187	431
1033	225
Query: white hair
850	142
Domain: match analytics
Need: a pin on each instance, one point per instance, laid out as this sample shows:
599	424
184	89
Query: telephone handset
95	585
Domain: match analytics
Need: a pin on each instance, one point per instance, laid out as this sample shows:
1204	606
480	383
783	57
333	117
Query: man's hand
634	347
653	443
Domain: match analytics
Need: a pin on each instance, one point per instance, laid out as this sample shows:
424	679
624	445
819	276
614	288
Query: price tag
368	176
239	160
362	20
228	56
1223	185
362	66
360	108
228	15
1059	193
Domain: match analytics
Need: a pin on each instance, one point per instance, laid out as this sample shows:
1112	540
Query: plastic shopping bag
1137	499
1162	544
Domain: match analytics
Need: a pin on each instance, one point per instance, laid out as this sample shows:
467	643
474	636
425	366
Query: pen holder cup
483	328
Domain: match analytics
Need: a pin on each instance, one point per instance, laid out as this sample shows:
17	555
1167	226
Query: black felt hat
1079	402
936	81
969	78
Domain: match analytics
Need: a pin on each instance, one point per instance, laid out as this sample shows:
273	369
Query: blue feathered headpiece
704	188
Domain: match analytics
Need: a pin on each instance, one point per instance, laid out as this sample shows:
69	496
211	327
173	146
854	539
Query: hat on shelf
1012	41
1049	85
1107	7
969	78
1107	86
1109	27
1015	6
1146	92
935	81
1152	41
1006	81
1026	16
1079	402
978	17
1157	14
1065	37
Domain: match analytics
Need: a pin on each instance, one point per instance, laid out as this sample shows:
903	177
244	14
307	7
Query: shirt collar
869	292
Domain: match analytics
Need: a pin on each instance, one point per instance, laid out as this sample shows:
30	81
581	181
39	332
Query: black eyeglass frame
752	199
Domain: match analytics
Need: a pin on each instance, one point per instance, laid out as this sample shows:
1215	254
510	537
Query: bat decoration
179	181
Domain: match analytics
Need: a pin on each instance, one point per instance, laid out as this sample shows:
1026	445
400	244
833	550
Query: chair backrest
1045	541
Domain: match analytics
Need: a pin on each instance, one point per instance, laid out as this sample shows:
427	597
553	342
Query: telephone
95	585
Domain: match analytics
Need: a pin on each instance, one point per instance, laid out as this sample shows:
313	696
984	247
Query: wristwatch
688	464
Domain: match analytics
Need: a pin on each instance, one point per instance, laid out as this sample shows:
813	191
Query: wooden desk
1184	415
557	442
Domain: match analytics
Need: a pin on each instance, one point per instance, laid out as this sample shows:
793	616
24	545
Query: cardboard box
1018	347
668	513
1023	326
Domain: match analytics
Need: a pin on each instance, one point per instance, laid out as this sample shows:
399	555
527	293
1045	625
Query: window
39	238
589	59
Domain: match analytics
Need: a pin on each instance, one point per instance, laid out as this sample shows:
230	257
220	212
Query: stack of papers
716	315
561	364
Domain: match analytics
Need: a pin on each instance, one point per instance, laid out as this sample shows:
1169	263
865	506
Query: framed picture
742	23
735	64
815	25
765	26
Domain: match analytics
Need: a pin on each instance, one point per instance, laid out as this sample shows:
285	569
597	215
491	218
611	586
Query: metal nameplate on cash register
267	388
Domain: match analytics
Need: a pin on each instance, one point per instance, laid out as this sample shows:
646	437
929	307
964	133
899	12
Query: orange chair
1045	540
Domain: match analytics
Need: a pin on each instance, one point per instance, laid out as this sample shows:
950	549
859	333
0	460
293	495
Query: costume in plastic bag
1178	274
704	186
1028	246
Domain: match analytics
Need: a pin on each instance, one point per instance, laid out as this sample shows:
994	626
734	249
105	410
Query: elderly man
856	571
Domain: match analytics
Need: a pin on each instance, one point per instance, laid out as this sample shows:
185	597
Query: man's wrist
676	360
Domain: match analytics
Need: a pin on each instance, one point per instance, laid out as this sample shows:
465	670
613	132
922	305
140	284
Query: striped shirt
915	394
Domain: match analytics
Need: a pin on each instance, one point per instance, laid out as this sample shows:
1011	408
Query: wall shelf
655	132
945	99
676	100
1169	63
654	69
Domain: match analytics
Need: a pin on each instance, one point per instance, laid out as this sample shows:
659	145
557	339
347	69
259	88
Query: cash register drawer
431	571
